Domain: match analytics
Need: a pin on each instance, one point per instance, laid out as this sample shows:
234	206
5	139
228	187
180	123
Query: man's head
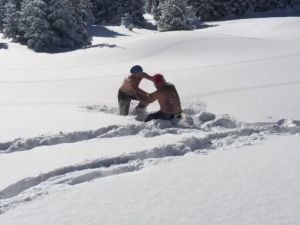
158	80
136	69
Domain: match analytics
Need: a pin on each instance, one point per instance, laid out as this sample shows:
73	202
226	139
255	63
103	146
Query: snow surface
66	157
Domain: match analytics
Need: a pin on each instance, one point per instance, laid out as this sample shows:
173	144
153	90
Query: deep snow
66	157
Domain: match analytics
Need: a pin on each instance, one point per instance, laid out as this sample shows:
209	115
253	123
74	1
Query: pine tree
174	16
84	8
148	5
84	17
11	21
204	8
108	11
67	25
295	4
282	3
193	20
156	9
135	9
263	5
236	7
216	9
99	9
2	13
37	31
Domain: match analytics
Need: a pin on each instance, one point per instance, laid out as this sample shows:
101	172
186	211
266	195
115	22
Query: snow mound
206	116
192	122
100	108
224	121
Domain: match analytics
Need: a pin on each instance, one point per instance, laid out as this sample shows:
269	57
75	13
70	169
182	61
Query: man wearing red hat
168	99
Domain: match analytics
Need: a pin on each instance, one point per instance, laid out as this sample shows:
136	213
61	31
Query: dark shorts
162	116
124	100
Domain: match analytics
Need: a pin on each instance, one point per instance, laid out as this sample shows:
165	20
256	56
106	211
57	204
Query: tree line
48	24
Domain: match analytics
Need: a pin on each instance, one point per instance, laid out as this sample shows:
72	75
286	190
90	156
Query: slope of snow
232	159
256	185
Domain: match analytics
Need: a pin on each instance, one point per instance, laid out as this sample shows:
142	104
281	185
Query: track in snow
217	132
193	121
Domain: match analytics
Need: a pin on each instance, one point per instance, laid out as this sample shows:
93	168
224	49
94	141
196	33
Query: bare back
168	99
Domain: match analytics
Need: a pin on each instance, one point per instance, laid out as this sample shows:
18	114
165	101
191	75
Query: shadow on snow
101	31
93	31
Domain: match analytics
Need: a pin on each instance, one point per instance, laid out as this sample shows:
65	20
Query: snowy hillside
67	157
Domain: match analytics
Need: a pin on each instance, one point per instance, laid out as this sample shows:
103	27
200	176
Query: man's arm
151	98
141	95
146	76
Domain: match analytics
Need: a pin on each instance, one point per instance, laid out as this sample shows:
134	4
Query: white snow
66	157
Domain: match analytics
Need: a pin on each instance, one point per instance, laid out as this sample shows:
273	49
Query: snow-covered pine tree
2	12
174	16
36	29
84	17
99	9
282	3
216	9
84	8
11	21
67	25
295	4
156	9
263	5
108	11
196	4
135	9
148	6
192	19
236	7
208	9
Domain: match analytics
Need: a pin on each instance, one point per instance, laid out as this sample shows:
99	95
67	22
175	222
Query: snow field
231	160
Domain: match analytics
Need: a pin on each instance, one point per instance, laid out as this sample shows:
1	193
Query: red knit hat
158	79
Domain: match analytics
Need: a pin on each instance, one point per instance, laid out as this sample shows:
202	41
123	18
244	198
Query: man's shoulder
168	85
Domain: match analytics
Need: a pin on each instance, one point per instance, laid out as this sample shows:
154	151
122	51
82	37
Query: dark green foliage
135	9
217	9
174	15
2	12
36	29
11	22
110	12
47	24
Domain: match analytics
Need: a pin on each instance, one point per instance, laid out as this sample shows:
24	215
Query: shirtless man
168	99
130	90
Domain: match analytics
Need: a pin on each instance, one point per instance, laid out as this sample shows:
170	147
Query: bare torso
131	84
168	99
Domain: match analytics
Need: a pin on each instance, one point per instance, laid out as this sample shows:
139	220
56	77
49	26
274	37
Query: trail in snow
32	187
192	122
210	132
